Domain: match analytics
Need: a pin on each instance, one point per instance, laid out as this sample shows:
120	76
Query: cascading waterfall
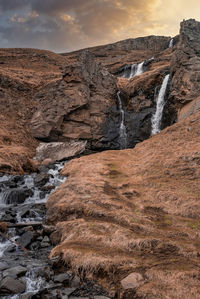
122	128
171	43
136	69
139	70
157	117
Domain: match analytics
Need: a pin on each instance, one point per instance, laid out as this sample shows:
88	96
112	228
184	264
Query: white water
3	247
136	70
122	128
139	70
157	117
34	283
171	43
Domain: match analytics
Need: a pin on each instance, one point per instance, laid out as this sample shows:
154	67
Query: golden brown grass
135	210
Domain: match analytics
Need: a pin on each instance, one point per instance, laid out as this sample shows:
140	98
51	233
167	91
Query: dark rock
15	271
63	277
11	248
16	196
3	266
101	297
35	245
10	285
26	296
41	179
26	239
75	282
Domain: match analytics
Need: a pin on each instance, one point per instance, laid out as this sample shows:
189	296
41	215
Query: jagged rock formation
79	106
185	69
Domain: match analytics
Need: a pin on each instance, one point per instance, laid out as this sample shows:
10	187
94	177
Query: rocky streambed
25	242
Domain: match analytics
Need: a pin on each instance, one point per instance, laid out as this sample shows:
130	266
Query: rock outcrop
135	210
185	70
79	106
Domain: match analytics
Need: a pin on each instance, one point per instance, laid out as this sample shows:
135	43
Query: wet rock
10	285
3	266
11	248
26	296
15	271
101	297
45	242
41	179
63	277
16	196
26	239
35	245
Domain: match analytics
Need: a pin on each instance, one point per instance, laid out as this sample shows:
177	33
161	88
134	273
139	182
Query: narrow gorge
100	170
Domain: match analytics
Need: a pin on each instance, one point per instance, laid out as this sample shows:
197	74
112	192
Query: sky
67	25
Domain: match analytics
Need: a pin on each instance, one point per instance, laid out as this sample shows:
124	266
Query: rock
10	285
3	266
45	162
185	67
41	179
26	296
26	239
57	151
101	297
16	196
15	271
75	282
77	105
132	281
62	278
11	248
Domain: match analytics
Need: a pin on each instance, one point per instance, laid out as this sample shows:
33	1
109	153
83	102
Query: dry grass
134	210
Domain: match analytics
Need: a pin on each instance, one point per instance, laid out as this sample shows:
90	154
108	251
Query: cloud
64	25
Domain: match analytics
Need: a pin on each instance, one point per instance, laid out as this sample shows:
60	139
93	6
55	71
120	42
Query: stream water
25	270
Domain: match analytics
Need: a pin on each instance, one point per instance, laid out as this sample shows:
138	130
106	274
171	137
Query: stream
25	241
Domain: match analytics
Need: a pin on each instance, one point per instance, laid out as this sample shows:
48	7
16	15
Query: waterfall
133	70
171	43
139	70
136	69
157	117
122	128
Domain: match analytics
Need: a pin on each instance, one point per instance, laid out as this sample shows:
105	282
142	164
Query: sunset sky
65	25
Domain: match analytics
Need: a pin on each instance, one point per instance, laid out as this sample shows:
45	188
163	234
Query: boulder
132	281
10	285
56	151
15	271
16	196
26	239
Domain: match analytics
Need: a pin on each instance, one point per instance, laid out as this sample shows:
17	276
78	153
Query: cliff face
79	106
185	70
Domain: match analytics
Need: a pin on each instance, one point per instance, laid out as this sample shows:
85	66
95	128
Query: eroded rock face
185	69
135	210
78	106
